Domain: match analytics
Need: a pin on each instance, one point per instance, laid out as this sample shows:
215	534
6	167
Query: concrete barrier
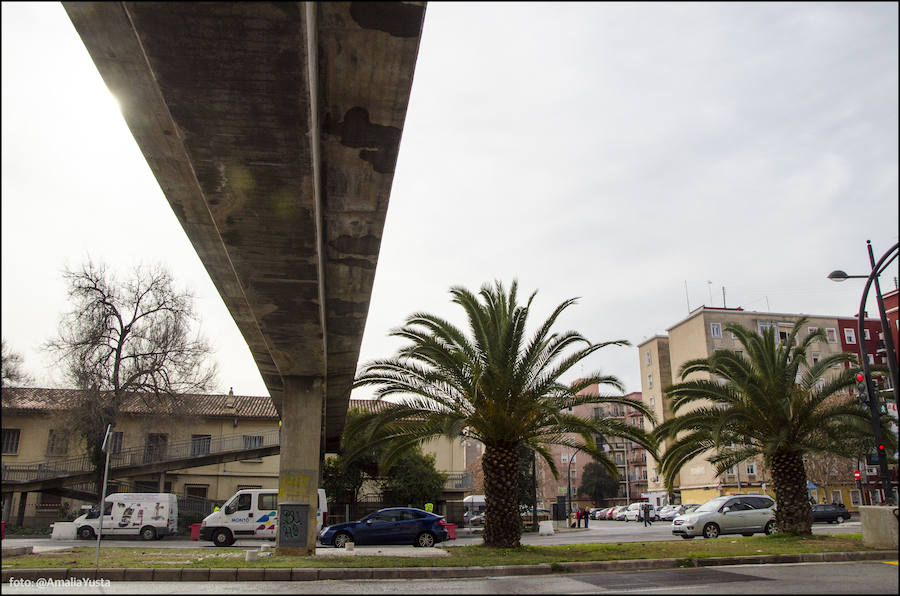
879	526
63	531
545	528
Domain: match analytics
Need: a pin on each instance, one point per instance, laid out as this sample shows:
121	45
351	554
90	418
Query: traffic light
861	389
881	453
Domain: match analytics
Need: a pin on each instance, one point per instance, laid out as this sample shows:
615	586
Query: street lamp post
874	407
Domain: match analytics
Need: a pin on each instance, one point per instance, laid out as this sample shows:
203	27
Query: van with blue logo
251	513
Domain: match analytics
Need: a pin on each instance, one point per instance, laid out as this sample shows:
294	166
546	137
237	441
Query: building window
820	384
648	356
854	498
715	329
815	358
200	445
849	335
565	458
253	441
10	441
866	334
115	442
836	497
156	447
652	401
811	330
650	380
751	468
573	473
762	326
57	442
196	491
831	335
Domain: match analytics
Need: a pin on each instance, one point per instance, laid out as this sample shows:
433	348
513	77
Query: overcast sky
607	151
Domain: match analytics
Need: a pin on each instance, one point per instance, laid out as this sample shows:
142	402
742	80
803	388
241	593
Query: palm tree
769	403
496	387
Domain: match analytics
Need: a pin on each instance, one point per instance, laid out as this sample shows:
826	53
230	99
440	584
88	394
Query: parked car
619	513
736	514
667	512
670	512
395	525
833	514
476	520
603	512
611	514
527	516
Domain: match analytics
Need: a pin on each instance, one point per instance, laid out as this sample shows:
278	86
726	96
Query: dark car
833	514
396	525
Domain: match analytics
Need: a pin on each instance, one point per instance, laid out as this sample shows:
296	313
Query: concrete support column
20	516
301	431
7	506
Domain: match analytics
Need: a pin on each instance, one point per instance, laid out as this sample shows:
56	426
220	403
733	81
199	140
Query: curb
188	574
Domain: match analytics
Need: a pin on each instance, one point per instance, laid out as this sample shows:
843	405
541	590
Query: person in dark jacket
645	509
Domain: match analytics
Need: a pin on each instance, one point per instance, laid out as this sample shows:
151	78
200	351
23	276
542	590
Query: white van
251	513
148	515
633	513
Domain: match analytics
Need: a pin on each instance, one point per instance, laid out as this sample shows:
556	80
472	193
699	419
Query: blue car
396	525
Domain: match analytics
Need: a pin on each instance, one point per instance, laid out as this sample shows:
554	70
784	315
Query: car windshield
711	505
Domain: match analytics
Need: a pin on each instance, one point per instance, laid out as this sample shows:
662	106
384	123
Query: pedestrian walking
578	516
646	510
587	516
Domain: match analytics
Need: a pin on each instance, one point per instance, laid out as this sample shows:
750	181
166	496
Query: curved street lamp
874	409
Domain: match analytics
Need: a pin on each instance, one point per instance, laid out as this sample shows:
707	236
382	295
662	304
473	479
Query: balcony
458	481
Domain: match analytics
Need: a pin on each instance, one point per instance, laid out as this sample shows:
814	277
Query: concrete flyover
273	130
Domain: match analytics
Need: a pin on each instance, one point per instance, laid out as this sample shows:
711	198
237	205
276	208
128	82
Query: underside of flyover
273	130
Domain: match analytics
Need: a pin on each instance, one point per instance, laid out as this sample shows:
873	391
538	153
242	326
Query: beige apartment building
697	336
36	430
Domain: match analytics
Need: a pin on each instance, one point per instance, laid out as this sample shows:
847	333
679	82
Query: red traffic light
881	447
856	474
859	377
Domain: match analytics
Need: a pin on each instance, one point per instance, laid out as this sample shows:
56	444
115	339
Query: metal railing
143	455
458	481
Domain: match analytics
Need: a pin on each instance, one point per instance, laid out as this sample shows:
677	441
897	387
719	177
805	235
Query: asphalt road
804	578
599	531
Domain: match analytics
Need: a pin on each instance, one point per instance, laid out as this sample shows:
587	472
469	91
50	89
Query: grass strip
460	556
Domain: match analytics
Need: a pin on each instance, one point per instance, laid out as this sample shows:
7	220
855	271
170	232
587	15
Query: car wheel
839	520
425	539
341	539
222	537
710	530
770	528
148	533
687	537
85	532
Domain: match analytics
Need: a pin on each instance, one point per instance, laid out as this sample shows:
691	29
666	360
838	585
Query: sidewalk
312	574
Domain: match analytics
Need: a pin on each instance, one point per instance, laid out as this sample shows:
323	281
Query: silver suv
736	514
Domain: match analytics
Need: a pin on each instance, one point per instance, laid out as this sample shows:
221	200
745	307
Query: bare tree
11	371
129	338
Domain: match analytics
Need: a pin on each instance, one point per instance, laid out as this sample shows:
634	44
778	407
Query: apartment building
36	430
630	459
697	336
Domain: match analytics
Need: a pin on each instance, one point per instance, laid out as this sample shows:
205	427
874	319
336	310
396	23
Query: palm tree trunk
502	524
794	514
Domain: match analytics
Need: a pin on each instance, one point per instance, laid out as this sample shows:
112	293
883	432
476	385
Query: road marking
889	562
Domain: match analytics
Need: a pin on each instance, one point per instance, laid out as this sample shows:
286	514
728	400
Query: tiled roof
38	399
258	407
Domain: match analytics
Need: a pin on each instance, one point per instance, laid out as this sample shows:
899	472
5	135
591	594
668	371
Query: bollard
250	555
349	546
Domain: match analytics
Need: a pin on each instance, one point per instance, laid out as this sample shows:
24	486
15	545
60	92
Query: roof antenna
723	297
709	287
686	297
